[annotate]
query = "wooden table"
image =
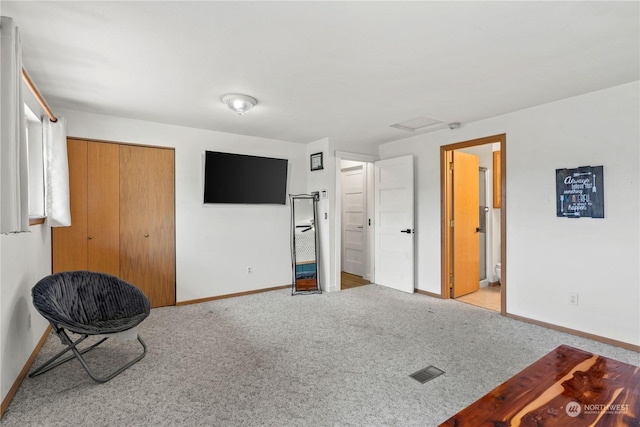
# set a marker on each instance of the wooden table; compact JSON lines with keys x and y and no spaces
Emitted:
{"x":567,"y":387}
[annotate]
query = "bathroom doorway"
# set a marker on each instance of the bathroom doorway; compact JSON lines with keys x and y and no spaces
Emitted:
{"x":473,"y":225}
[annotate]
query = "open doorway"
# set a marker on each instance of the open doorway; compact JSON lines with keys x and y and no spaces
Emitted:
{"x":355,"y":195}
{"x":336,"y":255}
{"x":473,"y":222}
{"x":389,"y":222}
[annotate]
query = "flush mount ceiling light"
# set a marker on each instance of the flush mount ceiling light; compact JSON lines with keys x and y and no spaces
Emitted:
{"x":240,"y":104}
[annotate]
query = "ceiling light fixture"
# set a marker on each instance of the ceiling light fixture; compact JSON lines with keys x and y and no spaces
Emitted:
{"x":240,"y":104}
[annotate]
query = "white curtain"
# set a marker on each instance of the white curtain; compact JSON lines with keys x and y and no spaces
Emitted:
{"x":14,"y":162}
{"x":56,"y":173}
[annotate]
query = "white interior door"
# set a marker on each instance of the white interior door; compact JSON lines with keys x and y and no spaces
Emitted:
{"x":394,"y":230}
{"x":353,"y":218}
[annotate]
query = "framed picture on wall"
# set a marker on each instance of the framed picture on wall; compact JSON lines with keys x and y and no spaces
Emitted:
{"x":580,"y":192}
{"x":316,"y":162}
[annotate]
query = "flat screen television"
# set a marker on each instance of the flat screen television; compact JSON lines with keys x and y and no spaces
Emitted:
{"x":242,"y":179}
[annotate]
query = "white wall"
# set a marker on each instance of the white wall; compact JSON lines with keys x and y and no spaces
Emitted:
{"x":25,"y":258}
{"x":547,"y":256}
{"x":317,"y":181}
{"x":214,"y":243}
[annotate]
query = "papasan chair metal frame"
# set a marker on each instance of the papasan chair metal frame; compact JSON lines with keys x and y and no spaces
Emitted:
{"x":88,"y":303}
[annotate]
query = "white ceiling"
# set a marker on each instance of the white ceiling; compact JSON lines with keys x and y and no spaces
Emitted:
{"x":345,"y":70}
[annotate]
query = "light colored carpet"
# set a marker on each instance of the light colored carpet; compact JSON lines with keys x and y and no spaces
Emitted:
{"x":272,"y":359}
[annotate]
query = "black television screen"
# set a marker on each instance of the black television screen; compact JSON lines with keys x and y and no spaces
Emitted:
{"x":242,"y":179}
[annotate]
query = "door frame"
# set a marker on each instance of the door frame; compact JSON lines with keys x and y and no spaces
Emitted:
{"x":446,"y":214}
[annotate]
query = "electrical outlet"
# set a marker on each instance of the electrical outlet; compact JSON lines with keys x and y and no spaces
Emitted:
{"x":248,"y":270}
{"x":573,"y":298}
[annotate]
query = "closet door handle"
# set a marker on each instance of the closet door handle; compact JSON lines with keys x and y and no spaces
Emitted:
{"x":146,"y":234}
{"x":90,"y":237}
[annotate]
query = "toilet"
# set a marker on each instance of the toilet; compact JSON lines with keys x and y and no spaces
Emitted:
{"x":498,"y":270}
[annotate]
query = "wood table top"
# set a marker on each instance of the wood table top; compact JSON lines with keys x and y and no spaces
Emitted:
{"x":568,"y":387}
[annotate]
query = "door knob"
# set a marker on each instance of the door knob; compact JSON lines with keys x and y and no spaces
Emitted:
{"x":146,"y":234}
{"x":90,"y":237}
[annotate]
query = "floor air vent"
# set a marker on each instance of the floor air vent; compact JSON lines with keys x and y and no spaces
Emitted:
{"x":426,"y":374}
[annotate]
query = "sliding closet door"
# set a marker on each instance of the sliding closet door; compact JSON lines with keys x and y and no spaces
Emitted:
{"x":91,"y":242}
{"x":103,"y":201}
{"x":147,"y":236}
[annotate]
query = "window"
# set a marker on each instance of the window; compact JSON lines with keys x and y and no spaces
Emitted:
{"x":36,"y":164}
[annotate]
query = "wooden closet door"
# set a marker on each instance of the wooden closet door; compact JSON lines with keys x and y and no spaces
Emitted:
{"x":147,"y":211}
{"x":103,"y":201}
{"x":91,"y":242}
{"x":70,"y":243}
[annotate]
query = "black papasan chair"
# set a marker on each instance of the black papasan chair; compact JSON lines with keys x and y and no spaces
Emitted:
{"x":88,"y":303}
